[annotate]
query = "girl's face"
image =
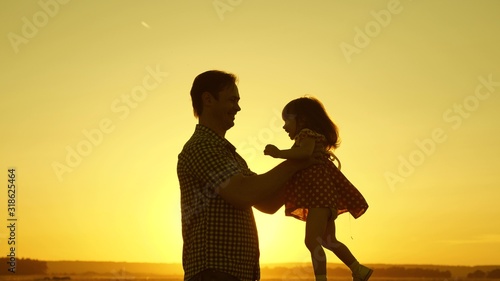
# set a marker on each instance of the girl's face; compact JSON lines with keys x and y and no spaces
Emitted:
{"x":290,"y":126}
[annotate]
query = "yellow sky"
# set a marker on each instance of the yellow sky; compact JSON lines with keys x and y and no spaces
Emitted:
{"x":95,"y":108}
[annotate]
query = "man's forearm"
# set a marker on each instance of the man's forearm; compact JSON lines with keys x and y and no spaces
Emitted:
{"x":244,"y":192}
{"x":272,"y":203}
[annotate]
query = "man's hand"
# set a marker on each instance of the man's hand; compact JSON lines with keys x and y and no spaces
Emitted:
{"x":272,"y":151}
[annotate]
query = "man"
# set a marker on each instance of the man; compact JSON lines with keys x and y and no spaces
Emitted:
{"x":218,"y":189}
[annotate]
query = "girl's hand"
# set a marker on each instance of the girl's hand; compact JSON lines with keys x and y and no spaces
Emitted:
{"x":272,"y":150}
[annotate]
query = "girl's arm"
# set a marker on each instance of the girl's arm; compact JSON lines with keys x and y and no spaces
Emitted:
{"x":303,"y":151}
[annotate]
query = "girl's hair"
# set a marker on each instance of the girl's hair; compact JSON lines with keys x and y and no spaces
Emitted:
{"x":310,"y":113}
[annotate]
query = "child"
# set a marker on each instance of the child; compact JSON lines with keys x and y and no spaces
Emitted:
{"x":319,"y":193}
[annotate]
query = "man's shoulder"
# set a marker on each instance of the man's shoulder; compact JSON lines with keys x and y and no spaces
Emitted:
{"x":200,"y":146}
{"x":199,"y":141}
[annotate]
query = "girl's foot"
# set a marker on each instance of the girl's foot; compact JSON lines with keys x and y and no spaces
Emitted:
{"x":362,"y":273}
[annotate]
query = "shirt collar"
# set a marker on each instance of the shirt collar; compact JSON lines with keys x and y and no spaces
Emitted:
{"x":206,"y":132}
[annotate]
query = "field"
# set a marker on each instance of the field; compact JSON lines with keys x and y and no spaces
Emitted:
{"x":121,"y":271}
{"x":179,"y":278}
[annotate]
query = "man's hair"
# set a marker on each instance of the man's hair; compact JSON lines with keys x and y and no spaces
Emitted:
{"x":212,"y":81}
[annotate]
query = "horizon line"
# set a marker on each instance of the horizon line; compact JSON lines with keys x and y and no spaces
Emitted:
{"x":270,"y":263}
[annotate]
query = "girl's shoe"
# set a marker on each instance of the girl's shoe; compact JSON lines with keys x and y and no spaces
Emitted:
{"x":363,"y":273}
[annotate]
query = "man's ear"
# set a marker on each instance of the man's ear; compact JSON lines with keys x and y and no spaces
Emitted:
{"x":207,"y":98}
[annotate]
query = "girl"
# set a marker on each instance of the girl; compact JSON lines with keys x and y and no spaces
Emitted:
{"x":318,"y":194}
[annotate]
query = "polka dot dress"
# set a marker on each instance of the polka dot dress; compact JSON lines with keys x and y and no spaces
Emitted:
{"x":321,"y":186}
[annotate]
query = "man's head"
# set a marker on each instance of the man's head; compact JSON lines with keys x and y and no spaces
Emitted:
{"x":215,"y":99}
{"x":212,"y":82}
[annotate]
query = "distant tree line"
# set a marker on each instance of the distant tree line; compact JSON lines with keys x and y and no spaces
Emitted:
{"x":22,"y":266}
{"x":478,"y":274}
{"x":397,"y":271}
{"x":391,"y":272}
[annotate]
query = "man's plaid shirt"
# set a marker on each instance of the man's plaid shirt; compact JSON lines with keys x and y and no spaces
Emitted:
{"x":216,"y":234}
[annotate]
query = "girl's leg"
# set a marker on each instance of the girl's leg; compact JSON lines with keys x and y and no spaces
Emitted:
{"x":316,"y":224}
{"x":331,"y":243}
{"x":359,"y":272}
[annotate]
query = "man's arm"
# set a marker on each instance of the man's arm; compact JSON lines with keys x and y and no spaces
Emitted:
{"x":273,"y":203}
{"x":247,"y":191}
